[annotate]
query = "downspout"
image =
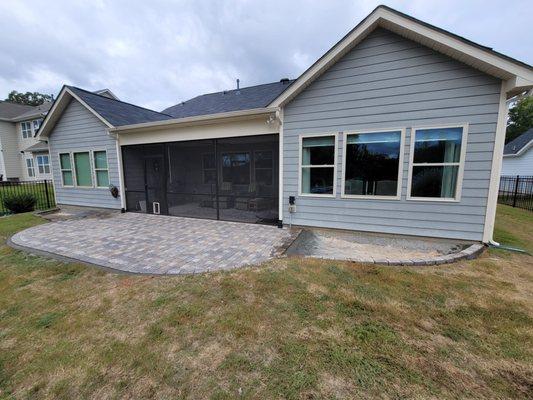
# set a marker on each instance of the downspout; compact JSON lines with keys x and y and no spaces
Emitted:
{"x":120,"y":171}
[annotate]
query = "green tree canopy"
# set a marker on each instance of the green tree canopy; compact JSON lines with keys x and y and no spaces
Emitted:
{"x":520,"y":118}
{"x":28,"y":98}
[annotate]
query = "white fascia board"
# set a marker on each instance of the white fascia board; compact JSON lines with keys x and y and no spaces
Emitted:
{"x":59,"y":105}
{"x":517,"y":76}
{"x":521,"y":151}
{"x":196,"y":120}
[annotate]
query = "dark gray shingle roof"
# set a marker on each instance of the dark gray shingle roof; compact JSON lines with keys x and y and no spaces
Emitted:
{"x":36,"y":111}
{"x":517,"y":144}
{"x":10,"y":110}
{"x":231,"y":100}
{"x":117,"y":112}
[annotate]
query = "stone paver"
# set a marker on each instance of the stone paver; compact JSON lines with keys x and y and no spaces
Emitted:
{"x":154,"y":244}
{"x":372,"y":248}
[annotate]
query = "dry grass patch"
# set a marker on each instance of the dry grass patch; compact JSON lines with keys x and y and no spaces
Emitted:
{"x":292,"y":328}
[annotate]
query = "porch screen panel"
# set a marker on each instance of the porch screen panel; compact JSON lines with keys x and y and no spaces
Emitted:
{"x":192,"y":179}
{"x":248,"y":178}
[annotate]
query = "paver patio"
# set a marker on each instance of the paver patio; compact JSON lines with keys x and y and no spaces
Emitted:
{"x":154,"y":244}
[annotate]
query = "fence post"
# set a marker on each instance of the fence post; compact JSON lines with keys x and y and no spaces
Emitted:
{"x":47,"y":195}
{"x":516,"y":190}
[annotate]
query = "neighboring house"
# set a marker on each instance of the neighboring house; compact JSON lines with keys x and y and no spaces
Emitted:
{"x":399,"y":128}
{"x":22,"y":156}
{"x":518,"y":156}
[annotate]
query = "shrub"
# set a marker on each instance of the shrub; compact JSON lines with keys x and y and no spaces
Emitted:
{"x":20,"y":203}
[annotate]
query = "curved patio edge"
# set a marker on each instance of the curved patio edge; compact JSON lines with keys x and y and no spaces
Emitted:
{"x":471,"y":252}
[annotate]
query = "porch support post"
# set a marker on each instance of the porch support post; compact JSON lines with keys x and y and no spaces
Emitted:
{"x":120,"y":174}
{"x":280,"y":167}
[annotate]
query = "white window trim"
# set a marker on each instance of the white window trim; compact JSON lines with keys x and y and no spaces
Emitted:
{"x":61,"y":169}
{"x":28,"y":132}
{"x":94,"y":169}
{"x":398,"y":195}
{"x":32,"y":167}
{"x":461,"y":164}
{"x":91,"y":169}
{"x":300,"y":142}
{"x":40,"y":156}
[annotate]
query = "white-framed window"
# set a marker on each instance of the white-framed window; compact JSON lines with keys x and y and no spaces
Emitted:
{"x":437,"y":163}
{"x":30,"y":167}
{"x":82,"y":168}
{"x":36,"y":124}
{"x":25,"y":127}
{"x":101,"y":171}
{"x":43,"y":164}
{"x":65,"y":163}
{"x":317,"y":169}
{"x":373,"y":164}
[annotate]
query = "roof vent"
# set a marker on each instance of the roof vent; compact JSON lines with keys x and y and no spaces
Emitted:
{"x":284,"y":80}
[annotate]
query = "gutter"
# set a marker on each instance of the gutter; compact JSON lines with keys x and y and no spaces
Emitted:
{"x":198,"y":119}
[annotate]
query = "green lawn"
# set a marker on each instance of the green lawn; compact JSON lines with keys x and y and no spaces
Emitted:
{"x":295,"y":329}
{"x":37,"y":189}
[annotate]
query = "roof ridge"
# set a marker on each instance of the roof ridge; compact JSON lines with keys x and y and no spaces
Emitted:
{"x":120,"y":101}
{"x":234,"y":90}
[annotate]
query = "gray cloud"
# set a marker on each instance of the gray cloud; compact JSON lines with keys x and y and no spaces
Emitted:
{"x":156,"y":53}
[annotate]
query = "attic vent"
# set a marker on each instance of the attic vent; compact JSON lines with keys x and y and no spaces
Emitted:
{"x":284,"y":80}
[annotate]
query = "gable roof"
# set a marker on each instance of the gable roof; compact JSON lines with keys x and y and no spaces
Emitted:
{"x":518,"y":75}
{"x":9,"y":110}
{"x":518,"y":145}
{"x":111,"y":112}
{"x":229,"y":100}
{"x":37,"y":111}
{"x":118,"y":112}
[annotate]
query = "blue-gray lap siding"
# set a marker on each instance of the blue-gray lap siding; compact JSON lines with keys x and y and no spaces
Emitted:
{"x":391,"y":82}
{"x":79,"y":130}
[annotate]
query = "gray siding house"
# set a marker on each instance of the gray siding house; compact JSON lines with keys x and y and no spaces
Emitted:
{"x":399,"y":128}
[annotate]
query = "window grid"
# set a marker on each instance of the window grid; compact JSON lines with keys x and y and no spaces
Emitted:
{"x":43,"y":164}
{"x":99,"y":171}
{"x":30,"y":167}
{"x":303,"y":166}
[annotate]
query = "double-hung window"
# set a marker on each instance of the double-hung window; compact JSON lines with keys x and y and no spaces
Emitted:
{"x":209,"y":170}
{"x":437,"y":163}
{"x":30,"y":167}
{"x":101,"y":171}
{"x":317,"y":165}
{"x":373,"y":164}
{"x":43,"y":164}
{"x":65,"y":164}
{"x":263,"y":167}
{"x":26,"y":129}
{"x":36,"y":125}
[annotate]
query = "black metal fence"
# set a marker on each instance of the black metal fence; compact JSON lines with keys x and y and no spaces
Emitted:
{"x":516,"y":191}
{"x":42,"y":190}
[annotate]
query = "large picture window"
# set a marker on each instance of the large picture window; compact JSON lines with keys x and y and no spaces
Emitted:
{"x":82,"y":167}
{"x":372,"y":164}
{"x":437,"y":162}
{"x":317,"y":165}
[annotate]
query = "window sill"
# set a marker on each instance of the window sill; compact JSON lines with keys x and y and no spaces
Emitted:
{"x":434,"y":199}
{"x":366,"y":197}
{"x":331,"y":196}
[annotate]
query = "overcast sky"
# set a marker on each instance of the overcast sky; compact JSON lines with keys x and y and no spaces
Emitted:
{"x":156,"y":53}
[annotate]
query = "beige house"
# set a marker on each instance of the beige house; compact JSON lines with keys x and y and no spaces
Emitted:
{"x":22,"y":156}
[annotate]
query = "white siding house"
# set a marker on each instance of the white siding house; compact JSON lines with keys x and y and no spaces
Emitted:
{"x":518,"y":156}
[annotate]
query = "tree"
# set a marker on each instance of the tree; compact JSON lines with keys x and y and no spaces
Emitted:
{"x":28,"y":98}
{"x":520,"y":118}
